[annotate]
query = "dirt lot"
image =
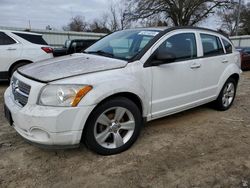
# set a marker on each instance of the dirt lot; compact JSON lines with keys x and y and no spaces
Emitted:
{"x":197,"y":148}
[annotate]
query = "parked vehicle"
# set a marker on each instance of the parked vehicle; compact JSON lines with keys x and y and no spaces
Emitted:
{"x":245,"y":57}
{"x":103,"y":96}
{"x":20,"y":48}
{"x":73,"y":46}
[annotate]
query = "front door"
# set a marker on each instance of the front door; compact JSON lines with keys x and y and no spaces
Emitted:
{"x":174,"y":82}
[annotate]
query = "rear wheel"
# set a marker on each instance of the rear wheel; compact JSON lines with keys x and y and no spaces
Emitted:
{"x":227,"y":95}
{"x":113,"y":126}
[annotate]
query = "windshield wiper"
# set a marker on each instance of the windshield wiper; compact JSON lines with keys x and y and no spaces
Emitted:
{"x":102,"y":53}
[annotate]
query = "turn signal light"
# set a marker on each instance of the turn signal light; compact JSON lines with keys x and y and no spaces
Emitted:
{"x":80,"y":94}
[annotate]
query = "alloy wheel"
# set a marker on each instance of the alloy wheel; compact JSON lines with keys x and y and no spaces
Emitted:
{"x":114,"y":127}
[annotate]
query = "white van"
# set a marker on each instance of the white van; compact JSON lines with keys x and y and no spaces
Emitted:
{"x":20,"y":48}
{"x":103,"y":96}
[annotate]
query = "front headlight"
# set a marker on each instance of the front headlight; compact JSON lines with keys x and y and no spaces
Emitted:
{"x":63,"y":95}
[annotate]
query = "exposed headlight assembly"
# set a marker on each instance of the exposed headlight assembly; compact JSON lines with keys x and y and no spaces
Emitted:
{"x":63,"y":95}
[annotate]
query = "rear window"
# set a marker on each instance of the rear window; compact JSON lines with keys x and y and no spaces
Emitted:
{"x":5,"y":39}
{"x":35,"y":39}
{"x":211,"y":45}
{"x":228,"y":46}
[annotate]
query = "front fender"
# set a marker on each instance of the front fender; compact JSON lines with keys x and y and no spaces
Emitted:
{"x":116,"y":86}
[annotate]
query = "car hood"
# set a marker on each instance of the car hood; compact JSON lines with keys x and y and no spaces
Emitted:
{"x":68,"y":66}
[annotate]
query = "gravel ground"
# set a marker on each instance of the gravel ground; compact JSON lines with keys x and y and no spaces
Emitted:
{"x":197,"y":148}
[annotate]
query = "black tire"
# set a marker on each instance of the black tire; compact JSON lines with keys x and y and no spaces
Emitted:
{"x":89,"y":132}
{"x":15,"y":67}
{"x":219,"y":105}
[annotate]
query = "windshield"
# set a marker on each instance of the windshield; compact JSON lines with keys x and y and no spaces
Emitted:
{"x":123,"y":44}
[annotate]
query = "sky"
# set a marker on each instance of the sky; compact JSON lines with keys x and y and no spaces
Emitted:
{"x":56,"y":13}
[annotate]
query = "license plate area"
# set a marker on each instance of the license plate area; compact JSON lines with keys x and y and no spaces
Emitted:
{"x":7,"y":115}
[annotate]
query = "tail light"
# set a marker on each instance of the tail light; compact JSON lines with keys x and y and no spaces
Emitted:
{"x":48,"y":50}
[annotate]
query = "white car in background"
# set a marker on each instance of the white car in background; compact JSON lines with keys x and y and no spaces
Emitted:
{"x":102,"y":96}
{"x":20,"y":48}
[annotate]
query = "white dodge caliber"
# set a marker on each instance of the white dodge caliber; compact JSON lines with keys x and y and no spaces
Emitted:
{"x":103,"y":96}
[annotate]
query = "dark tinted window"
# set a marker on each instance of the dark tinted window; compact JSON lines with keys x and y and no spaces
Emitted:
{"x":247,"y":50}
{"x":5,"y":39}
{"x":228,"y":46}
{"x":35,"y":39}
{"x":211,"y":45}
{"x":180,"y":46}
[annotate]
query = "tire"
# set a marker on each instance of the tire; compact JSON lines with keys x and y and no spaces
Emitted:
{"x":15,"y":67}
{"x":227,"y":95}
{"x":113,"y":126}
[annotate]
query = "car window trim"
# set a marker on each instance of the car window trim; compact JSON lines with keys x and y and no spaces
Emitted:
{"x":168,"y":30}
{"x":222,"y":39}
{"x":217,"y":37}
{"x":148,"y":62}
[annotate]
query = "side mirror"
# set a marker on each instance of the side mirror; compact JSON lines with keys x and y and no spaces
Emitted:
{"x":162,"y":57}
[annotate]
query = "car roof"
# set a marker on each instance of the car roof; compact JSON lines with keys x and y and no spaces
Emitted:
{"x":21,"y":32}
{"x":165,"y":30}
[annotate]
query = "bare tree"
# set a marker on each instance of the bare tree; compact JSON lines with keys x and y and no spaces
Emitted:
{"x":124,"y":22}
{"x":113,"y":22}
{"x":229,"y":20}
{"x":180,"y":12}
{"x":99,"y":25}
{"x":77,"y":23}
{"x":117,"y":16}
{"x":245,"y":22}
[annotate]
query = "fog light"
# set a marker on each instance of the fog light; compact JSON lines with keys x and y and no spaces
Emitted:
{"x":39,"y":134}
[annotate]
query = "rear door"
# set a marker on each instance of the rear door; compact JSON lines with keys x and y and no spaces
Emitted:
{"x":213,"y":63}
{"x":10,"y":51}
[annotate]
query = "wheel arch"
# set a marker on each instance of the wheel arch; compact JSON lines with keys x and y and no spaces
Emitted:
{"x":18,"y":62}
{"x":232,"y":71}
{"x":236,"y":77}
{"x":131,"y":96}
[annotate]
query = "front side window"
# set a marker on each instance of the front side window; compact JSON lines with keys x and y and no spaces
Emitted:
{"x":179,"y":47}
{"x":228,"y":46}
{"x":123,"y":44}
{"x":5,"y":39}
{"x":211,"y":45}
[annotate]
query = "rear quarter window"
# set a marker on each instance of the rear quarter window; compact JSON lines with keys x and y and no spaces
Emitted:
{"x":228,"y":46}
{"x":35,"y":39}
{"x":5,"y":39}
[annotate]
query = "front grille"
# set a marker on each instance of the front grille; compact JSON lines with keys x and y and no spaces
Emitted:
{"x":20,"y":91}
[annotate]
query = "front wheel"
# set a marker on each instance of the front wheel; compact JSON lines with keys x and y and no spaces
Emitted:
{"x":227,"y":95}
{"x":113,"y":126}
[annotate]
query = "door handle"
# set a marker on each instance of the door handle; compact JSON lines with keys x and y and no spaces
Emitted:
{"x":195,"y":66}
{"x":11,"y":49}
{"x":225,"y":61}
